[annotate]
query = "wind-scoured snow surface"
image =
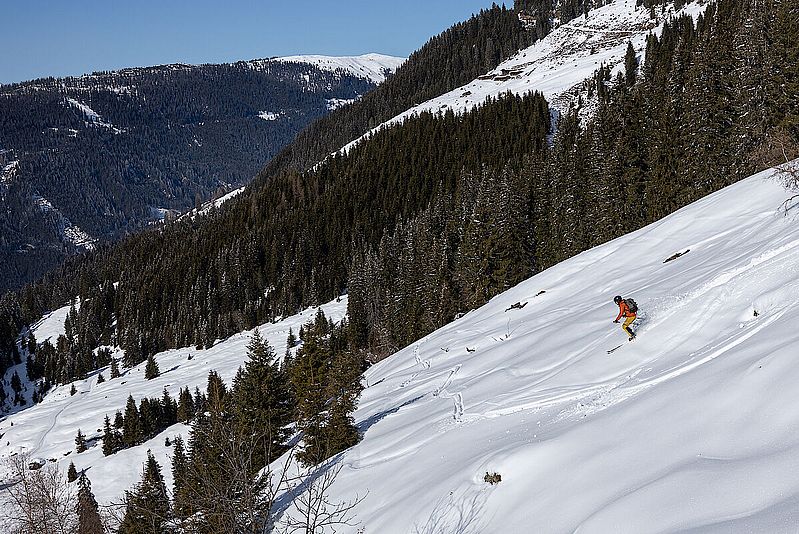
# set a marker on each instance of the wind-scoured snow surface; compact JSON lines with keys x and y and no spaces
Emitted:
{"x":558,"y":64}
{"x":373,"y":67}
{"x":47,"y":430}
{"x":690,"y":428}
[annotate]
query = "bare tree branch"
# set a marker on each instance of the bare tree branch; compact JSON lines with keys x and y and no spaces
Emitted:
{"x":41,"y":500}
{"x":314,"y":511}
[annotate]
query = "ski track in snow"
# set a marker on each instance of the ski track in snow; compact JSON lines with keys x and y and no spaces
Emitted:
{"x":457,"y":398}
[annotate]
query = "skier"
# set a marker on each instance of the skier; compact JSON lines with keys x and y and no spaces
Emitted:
{"x":627,"y":311}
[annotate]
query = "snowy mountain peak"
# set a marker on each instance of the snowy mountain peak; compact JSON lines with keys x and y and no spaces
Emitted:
{"x":373,"y":66}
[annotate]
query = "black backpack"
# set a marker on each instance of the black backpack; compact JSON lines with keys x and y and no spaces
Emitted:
{"x":631,"y":305}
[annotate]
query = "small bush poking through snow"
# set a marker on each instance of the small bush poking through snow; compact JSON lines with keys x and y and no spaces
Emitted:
{"x":492,"y":478}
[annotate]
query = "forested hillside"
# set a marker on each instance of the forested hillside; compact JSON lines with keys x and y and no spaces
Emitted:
{"x":449,"y":60}
{"x":434,"y":217}
{"x":90,"y":159}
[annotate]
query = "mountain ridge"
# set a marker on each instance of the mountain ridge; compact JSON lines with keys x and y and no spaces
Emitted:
{"x":111,"y":152}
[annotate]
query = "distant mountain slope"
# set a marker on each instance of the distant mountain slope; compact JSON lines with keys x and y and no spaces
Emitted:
{"x":448,"y":60}
{"x":92,"y":158}
{"x":561,"y":64}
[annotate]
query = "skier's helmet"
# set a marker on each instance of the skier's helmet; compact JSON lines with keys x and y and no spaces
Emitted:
{"x":617,"y":299}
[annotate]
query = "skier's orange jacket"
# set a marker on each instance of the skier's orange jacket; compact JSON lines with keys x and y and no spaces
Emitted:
{"x":624,"y":310}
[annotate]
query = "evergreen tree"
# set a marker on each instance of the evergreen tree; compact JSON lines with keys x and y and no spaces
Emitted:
{"x":630,"y":65}
{"x":110,"y":438}
{"x":131,"y":433}
{"x":307,"y":376}
{"x":180,"y":466}
{"x":326,"y":379}
{"x":148,"y":418}
{"x":344,"y":389}
{"x":89,"y":521}
{"x":72,"y":473}
{"x":72,"y":390}
{"x":100,"y":378}
{"x":200,"y":401}
{"x":31,"y":343}
{"x":80,"y":442}
{"x":147,"y":506}
{"x":216,"y":392}
{"x":185,"y":410}
{"x":114,"y":368}
{"x":168,"y":414}
{"x":151,"y":369}
{"x":16,"y":387}
{"x":261,"y":403}
{"x":119,"y":420}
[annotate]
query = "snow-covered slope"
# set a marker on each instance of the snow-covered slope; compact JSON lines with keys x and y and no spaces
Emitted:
{"x":47,"y":430}
{"x":558,"y":65}
{"x":370,"y":66}
{"x":690,"y":428}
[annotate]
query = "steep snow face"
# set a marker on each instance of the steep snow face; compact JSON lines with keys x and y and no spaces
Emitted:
{"x":7,"y":173}
{"x":689,"y":428}
{"x":559,"y":64}
{"x":48,"y":429}
{"x":692,"y":427}
{"x":92,"y":117}
{"x":70,"y":232}
{"x":211,"y":204}
{"x":373,"y":67}
{"x":52,"y":325}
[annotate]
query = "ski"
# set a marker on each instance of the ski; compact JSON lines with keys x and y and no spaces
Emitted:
{"x":615,"y":348}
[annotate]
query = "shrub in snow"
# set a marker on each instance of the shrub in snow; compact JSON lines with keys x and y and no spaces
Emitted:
{"x":492,"y":478}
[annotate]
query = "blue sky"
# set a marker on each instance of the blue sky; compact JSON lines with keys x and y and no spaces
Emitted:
{"x":61,"y":37}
